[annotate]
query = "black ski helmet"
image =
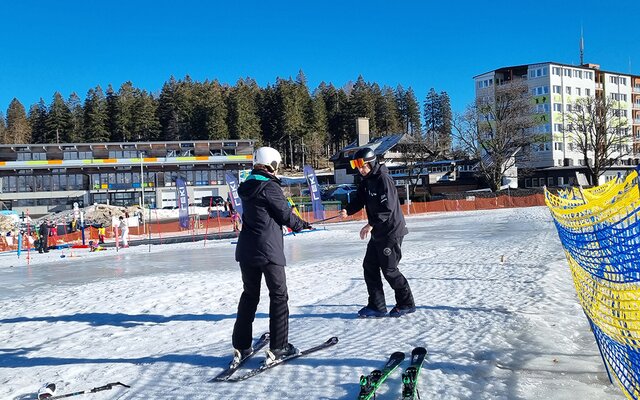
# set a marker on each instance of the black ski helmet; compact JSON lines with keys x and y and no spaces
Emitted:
{"x":365,"y":154}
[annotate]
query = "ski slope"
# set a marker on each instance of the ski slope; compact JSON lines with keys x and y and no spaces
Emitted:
{"x":496,"y":310}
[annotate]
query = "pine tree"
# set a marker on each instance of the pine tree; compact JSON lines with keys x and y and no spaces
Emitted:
{"x":317,"y":132}
{"x":414,"y":126}
{"x":362,"y":104}
{"x":267,"y":103}
{"x":437,"y":117}
{"x":122,"y":116}
{"x":3,"y":128}
{"x":244,"y":120}
{"x":112,"y":125}
{"x":95,"y":116}
{"x":210,"y":112}
{"x":59,"y":121}
{"x":38,"y":121}
{"x":387,"y":113}
{"x":445,"y":131}
{"x":431,"y":116}
{"x":292,"y":102}
{"x":18,"y":129}
{"x":145,"y":125}
{"x":76,"y":134}
{"x":168,"y":111}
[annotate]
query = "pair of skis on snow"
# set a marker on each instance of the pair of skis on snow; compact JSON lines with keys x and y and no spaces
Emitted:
{"x":370,"y":383}
{"x":226,"y":375}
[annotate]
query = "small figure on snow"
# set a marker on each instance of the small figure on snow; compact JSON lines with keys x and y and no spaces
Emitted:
{"x":124,"y":231}
{"x":235,"y":220}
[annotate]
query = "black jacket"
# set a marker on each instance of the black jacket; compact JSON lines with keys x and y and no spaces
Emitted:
{"x":43,"y":230}
{"x":265,"y":211}
{"x":377,"y":192}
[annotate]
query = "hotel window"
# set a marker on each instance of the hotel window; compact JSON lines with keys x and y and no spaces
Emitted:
{"x":538,"y":72}
{"x":578,"y":74}
{"x":587,"y":92}
{"x":557,"y":107}
{"x":623,"y":81}
{"x":567,"y":72}
{"x":578,"y":91}
{"x":557,"y":146}
{"x":557,"y":127}
{"x":540,"y":90}
{"x":557,"y":71}
{"x":568,"y":90}
{"x":557,"y":89}
{"x":568,"y":108}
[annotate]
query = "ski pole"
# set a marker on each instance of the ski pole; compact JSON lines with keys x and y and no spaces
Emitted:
{"x":108,"y":386}
{"x":327,"y":219}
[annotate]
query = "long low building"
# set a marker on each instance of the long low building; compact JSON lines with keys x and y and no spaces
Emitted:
{"x":40,"y":178}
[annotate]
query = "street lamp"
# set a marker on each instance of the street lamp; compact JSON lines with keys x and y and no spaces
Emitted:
{"x":141,"y":179}
{"x":144,"y":228}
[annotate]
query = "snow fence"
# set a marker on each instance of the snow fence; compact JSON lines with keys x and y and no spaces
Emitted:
{"x":600,"y":231}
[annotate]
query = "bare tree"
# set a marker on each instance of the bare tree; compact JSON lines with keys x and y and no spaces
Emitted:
{"x":494,"y":131}
{"x":600,"y":133}
{"x":416,"y":152}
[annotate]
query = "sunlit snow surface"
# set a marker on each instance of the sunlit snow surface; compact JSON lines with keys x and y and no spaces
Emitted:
{"x":496,"y":310}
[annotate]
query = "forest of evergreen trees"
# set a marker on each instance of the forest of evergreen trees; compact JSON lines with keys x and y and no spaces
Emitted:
{"x":286,"y":115}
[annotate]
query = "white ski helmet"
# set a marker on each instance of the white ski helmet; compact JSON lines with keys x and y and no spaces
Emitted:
{"x":267,"y":156}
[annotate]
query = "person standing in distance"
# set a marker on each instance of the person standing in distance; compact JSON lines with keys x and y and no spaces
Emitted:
{"x":377,"y":193}
{"x":260,"y":251}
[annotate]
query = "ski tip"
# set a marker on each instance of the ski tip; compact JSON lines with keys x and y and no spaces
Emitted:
{"x":333,"y":340}
{"x":398,"y":354}
{"x":419,"y":351}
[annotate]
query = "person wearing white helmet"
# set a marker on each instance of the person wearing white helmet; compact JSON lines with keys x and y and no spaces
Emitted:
{"x":260,"y":251}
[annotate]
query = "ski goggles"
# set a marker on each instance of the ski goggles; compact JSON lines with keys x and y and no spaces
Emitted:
{"x":357,"y":163}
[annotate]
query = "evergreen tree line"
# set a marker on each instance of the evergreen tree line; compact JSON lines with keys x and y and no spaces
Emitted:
{"x":305,"y":126}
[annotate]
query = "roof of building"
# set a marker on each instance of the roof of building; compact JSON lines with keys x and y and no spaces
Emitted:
{"x":584,"y":66}
{"x":379,"y":145}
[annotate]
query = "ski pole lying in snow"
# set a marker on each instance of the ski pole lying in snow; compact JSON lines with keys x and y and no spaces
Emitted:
{"x":48,"y":391}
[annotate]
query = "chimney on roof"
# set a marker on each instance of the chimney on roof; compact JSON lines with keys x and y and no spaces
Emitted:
{"x":362,"y":130}
{"x":590,"y":65}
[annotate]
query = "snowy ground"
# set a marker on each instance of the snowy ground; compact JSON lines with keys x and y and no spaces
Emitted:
{"x":496,"y":311}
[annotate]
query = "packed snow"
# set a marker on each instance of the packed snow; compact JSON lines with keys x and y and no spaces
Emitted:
{"x":496,"y":310}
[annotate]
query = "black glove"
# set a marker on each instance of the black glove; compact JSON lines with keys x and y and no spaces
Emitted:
{"x":306,"y":225}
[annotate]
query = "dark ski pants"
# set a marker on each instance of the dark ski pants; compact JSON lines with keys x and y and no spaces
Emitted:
{"x":384,"y":256}
{"x":276,"y":280}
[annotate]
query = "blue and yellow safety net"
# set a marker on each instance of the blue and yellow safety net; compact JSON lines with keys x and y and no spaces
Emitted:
{"x":600,"y":231}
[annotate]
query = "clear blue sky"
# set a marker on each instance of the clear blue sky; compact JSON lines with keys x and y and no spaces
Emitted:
{"x":69,"y":46}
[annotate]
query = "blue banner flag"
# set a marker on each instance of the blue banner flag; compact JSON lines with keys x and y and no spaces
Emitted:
{"x":233,"y":192}
{"x":182,"y":202}
{"x":314,"y":192}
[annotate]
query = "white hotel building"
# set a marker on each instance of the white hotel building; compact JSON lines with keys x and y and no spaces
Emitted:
{"x":554,"y":88}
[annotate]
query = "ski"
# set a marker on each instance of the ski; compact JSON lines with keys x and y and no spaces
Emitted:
{"x":370,"y":383}
{"x":303,"y":353}
{"x":226,"y":374}
{"x":410,"y":375}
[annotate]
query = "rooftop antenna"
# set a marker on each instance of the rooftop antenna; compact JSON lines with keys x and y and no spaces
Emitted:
{"x":581,"y":46}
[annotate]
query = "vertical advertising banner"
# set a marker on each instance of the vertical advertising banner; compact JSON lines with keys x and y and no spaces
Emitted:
{"x":314,"y":192}
{"x":182,"y":202}
{"x":233,"y":192}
